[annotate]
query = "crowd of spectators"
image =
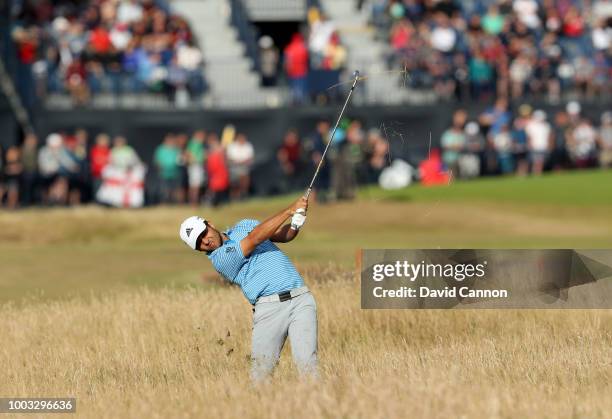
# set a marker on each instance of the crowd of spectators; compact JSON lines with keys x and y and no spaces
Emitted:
{"x":211,"y":168}
{"x":499,"y":142}
{"x":62,"y":171}
{"x":204,"y":168}
{"x":357,"y":156}
{"x":87,"y":47}
{"x":311,"y":62}
{"x":324,"y":44}
{"x":67,"y":170}
{"x":482,"y":49}
{"x":479,"y":49}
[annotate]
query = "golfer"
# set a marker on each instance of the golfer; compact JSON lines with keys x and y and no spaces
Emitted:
{"x":246,"y":255}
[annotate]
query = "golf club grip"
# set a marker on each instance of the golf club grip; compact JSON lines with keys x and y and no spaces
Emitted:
{"x":307,"y":194}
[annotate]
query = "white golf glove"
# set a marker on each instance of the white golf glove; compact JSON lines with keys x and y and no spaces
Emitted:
{"x":298,"y":219}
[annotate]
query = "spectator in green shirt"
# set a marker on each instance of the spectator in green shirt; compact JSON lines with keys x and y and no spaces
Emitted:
{"x":195,"y":165}
{"x":493,"y":22}
{"x":123,"y":156}
{"x":453,"y":142}
{"x":166,"y":159}
{"x":481,"y":75}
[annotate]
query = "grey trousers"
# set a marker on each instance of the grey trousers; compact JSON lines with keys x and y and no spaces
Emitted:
{"x":272,"y":323}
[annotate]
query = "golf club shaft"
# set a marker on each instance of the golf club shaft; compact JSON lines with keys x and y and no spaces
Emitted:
{"x":348,"y":98}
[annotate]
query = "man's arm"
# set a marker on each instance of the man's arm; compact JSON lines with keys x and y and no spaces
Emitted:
{"x":269,"y":227}
{"x":284,"y":234}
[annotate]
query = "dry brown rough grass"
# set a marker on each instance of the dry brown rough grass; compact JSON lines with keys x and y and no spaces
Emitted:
{"x":165,"y":353}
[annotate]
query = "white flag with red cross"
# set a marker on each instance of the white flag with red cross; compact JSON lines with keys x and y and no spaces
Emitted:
{"x":122,"y":188}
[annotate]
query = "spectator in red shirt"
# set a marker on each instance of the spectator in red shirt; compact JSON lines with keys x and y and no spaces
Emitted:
{"x":288,"y":156}
{"x":100,"y":41}
{"x":573,"y":24}
{"x":401,"y":34}
{"x":99,"y":158}
{"x":26,"y":42}
{"x":432,"y":172}
{"x":296,"y":66}
{"x":218,"y":174}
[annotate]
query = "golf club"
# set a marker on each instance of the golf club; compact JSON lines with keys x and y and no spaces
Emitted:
{"x":331,"y":140}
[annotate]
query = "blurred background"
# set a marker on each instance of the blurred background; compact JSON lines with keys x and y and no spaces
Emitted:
{"x":138,"y":102}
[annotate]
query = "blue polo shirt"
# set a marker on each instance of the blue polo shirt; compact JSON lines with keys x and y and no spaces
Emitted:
{"x":266,"y":271}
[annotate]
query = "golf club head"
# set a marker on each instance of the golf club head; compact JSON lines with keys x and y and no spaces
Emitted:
{"x":356,"y":79}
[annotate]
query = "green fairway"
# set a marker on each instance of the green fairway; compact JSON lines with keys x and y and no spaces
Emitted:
{"x":60,"y":253}
{"x":586,"y":188}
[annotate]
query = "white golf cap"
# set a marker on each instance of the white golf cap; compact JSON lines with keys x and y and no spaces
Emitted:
{"x":191,"y":228}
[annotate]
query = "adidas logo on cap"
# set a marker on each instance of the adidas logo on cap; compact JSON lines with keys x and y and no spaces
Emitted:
{"x":188,"y":231}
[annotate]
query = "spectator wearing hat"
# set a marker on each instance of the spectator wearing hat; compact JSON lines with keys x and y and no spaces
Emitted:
{"x":268,"y":61}
{"x":573,"y":110}
{"x":582,"y":144}
{"x":470,"y":161}
{"x":55,"y":164}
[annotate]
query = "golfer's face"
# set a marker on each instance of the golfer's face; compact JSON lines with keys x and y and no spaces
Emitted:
{"x":209,"y":240}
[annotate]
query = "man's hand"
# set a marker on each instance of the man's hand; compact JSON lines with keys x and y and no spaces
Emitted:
{"x":271,"y":228}
{"x":301,"y":203}
{"x":298,"y":219}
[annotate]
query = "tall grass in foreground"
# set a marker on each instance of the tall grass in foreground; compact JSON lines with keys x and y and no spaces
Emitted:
{"x":184,"y":353}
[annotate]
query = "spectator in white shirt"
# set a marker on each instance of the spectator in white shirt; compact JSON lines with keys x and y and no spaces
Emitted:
{"x":539,"y":141}
{"x":129,"y":11}
{"x":527,"y":12}
{"x":240,"y":156}
{"x":582,"y":143}
{"x":443,"y":37}
{"x":602,"y":36}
